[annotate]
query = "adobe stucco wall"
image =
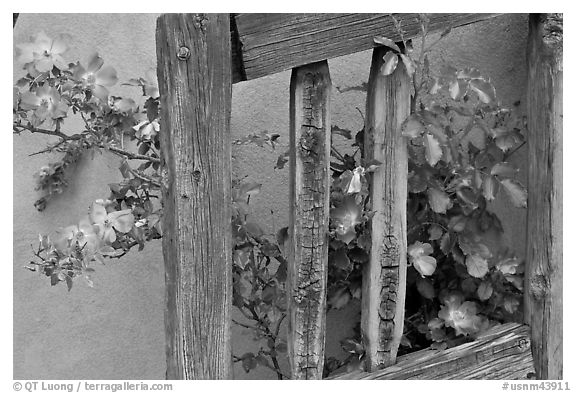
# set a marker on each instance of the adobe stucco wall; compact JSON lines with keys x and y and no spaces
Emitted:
{"x":115,"y":330}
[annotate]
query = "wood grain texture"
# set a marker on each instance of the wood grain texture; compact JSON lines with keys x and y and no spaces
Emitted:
{"x":503,"y":352}
{"x":310,"y":89}
{"x":196,"y":102}
{"x":543,"y":294}
{"x":384,"y":277}
{"x":277,"y":42}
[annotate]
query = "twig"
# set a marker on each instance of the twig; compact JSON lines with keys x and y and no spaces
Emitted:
{"x":242,"y":324}
{"x":130,"y":155}
{"x":511,"y":152}
{"x":35,"y":130}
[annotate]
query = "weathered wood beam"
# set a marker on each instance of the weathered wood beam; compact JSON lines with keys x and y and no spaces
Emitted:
{"x":384,"y":276}
{"x":272,"y":43}
{"x":193,"y":52}
{"x":310,"y":88}
{"x":503,"y":352}
{"x":543,"y":294}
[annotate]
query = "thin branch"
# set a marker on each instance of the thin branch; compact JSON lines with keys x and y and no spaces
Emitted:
{"x":130,"y":155}
{"x":35,"y":130}
{"x":244,"y":325}
{"x":144,"y":178}
{"x":511,"y":152}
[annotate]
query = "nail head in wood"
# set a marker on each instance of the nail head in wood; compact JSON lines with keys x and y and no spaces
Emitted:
{"x":183,"y":53}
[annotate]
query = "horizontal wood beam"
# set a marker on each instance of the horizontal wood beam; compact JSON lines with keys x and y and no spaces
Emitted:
{"x":503,"y":352}
{"x":265,"y":44}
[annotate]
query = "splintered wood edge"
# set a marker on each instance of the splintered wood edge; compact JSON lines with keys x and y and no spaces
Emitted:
{"x":503,"y":352}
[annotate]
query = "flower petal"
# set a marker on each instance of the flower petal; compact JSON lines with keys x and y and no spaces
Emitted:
{"x":94,"y":62}
{"x":97,"y":213}
{"x":26,"y":52}
{"x":109,"y":235}
{"x":44,"y":65}
{"x":101,"y":92}
{"x":122,"y":221}
{"x":29,"y":101}
{"x":106,"y":76}
{"x":58,"y":47}
{"x":59,"y":62}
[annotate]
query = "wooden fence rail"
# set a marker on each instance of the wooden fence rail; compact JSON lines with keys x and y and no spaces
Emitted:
{"x":502,"y":352}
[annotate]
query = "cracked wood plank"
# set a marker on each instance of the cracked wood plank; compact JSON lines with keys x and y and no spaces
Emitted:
{"x":273,"y":43}
{"x":502,"y":352}
{"x":196,"y":89}
{"x":543,"y":293}
{"x":384,"y":277}
{"x":310,"y":87}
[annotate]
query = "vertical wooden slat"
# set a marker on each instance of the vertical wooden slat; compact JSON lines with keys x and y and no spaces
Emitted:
{"x":384,"y":277}
{"x":195,"y":87}
{"x":543,"y":294}
{"x":309,"y":217}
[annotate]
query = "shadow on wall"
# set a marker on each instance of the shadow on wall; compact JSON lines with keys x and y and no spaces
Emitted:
{"x":115,"y":330}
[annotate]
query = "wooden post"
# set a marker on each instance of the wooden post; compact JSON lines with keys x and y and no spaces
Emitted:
{"x":309,"y":218}
{"x":543,"y":293}
{"x":384,"y":277}
{"x":195,"y":88}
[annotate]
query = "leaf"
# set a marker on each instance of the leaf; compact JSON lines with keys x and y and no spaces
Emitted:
{"x":355,"y":185}
{"x":425,"y":264}
{"x":485,"y":290}
{"x":282,"y":160}
{"x":516,"y":192}
{"x":476,"y":265}
{"x":446,"y":243}
{"x":390,"y":63}
{"x":433,"y":150}
{"x":454,"y":89}
{"x":439,"y":201}
{"x":409,"y":64}
{"x":340,"y":259}
{"x":458,"y":223}
{"x":425,"y":288}
{"x":435,"y":232}
{"x":508,"y":265}
{"x":342,"y":131}
{"x":387,"y":42}
{"x":489,"y":188}
{"x":405,"y":342}
{"x":253,"y":229}
{"x":412,"y":127}
{"x":249,"y":362}
{"x":503,"y":169}
{"x":485,"y":90}
{"x":372,"y":165}
{"x":511,"y":304}
{"x":250,"y":188}
{"x":282,"y":236}
{"x":125,"y":169}
{"x":468,"y":285}
{"x":339,"y":298}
